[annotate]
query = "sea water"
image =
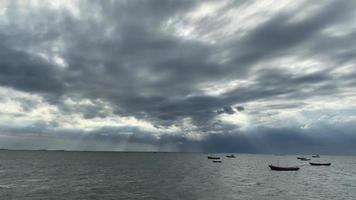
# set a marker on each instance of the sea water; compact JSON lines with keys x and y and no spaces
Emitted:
{"x":115,"y":175}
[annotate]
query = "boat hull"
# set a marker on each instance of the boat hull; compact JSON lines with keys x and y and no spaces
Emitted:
{"x":320,"y":164}
{"x":303,"y":159}
{"x":277,"y":168}
{"x":213,"y":158}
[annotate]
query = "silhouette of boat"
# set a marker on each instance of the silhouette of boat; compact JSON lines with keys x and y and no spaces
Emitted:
{"x":216,"y":161}
{"x":315,"y":156}
{"x":230,"y":156}
{"x":214,"y":157}
{"x":303,"y":159}
{"x":279,"y":168}
{"x":319,"y":164}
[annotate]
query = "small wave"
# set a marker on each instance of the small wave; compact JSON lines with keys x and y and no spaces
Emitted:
{"x":259,"y":183}
{"x":35,"y":180}
{"x":7,"y":186}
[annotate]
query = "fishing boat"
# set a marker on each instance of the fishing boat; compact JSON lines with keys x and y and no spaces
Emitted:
{"x":316,"y":156}
{"x":279,"y":168}
{"x":303,"y":159}
{"x":216,"y":161}
{"x":214,"y":157}
{"x":230,"y":156}
{"x":319,"y":164}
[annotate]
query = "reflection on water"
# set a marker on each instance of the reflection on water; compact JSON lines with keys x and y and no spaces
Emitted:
{"x":95,"y":175}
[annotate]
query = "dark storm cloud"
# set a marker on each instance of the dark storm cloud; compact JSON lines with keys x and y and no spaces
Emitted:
{"x":123,"y":56}
{"x":280,"y":84}
{"x":228,"y":110}
{"x":21,"y":71}
{"x":149,"y":74}
{"x":279,"y":35}
{"x":240,"y":108}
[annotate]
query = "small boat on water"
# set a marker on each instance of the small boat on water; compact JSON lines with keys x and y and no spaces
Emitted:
{"x":316,"y":156}
{"x":214,"y":157}
{"x":319,"y":164}
{"x":230,"y":156}
{"x":216,"y":161}
{"x":279,"y":168}
{"x":303,"y":159}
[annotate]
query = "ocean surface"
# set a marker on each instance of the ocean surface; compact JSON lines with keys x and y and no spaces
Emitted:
{"x":111,"y":175}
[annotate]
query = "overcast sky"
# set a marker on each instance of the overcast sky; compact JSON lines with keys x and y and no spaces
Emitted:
{"x":166,"y":75}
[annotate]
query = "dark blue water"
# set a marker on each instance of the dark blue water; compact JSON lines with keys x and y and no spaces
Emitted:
{"x":106,"y":175}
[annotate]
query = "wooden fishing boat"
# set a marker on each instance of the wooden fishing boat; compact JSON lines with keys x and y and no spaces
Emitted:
{"x":319,"y":164}
{"x":214,"y":157}
{"x":303,"y":159}
{"x":279,"y":168}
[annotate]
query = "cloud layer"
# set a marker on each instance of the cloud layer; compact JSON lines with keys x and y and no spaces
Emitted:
{"x":178,"y":75}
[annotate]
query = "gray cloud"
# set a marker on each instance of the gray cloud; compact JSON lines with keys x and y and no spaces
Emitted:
{"x":20,"y":71}
{"x":290,"y":140}
{"x":127,"y":64}
{"x":240,"y":108}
